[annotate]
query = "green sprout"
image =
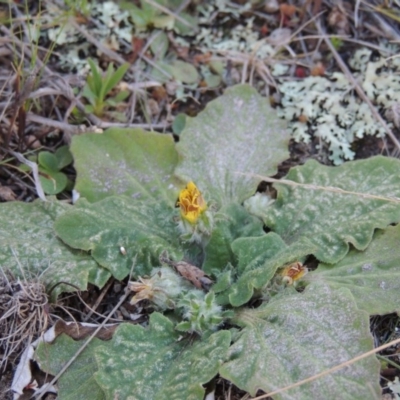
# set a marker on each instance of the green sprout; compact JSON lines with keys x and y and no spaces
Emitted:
{"x":98,"y":87}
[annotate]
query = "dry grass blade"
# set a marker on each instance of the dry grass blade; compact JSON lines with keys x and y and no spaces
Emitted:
{"x":35,"y":172}
{"x":24,"y":316}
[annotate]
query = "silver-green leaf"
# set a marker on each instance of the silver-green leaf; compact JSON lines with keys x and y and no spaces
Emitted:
{"x":372,"y":275}
{"x":334,"y":210}
{"x":123,"y":234}
{"x":259,"y":258}
{"x":299,"y":335}
{"x":237,"y":136}
{"x":152,"y":363}
{"x":77,"y":382}
{"x":30,"y":247}
{"x":133,"y":162}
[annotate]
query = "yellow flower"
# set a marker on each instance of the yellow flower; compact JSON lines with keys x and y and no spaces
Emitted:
{"x":191,"y":203}
{"x":293,"y":272}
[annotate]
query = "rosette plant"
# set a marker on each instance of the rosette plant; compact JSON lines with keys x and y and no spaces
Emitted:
{"x":222,"y":265}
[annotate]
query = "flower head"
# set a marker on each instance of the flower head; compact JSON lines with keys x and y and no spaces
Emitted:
{"x":191,"y":203}
{"x":293,"y":272}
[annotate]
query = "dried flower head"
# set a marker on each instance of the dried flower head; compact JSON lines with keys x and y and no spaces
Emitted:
{"x":162,"y":289}
{"x":191,"y":203}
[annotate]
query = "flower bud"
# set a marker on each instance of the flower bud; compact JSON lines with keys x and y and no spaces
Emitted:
{"x":196,"y":221}
{"x":293,"y":273}
{"x":201,"y":312}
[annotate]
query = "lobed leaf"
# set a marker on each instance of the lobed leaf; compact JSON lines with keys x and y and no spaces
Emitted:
{"x":125,"y":161}
{"x":77,"y":382}
{"x":259,"y":259}
{"x":298,"y":335}
{"x":152,"y":363}
{"x":239,"y":134}
{"x":372,"y":275}
{"x":333,"y":219}
{"x":232,"y":222}
{"x":143,"y":229}
{"x":30,"y":247}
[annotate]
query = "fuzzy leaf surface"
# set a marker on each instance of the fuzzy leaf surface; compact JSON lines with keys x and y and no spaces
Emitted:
{"x":232,"y":221}
{"x":333,"y":220}
{"x":372,"y":275}
{"x":29,"y":247}
{"x":258,"y":260}
{"x":144,"y":229}
{"x":238,"y":133}
{"x":133,"y":162}
{"x":298,"y":335}
{"x":152,"y":363}
{"x":77,"y":382}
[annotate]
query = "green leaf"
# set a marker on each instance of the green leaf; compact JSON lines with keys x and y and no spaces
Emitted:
{"x":372,"y":276}
{"x":233,"y":221}
{"x":179,"y":123}
{"x":184,"y":72}
{"x":77,"y":382}
{"x":29,"y":247}
{"x":139,"y":17}
{"x":159,"y":45}
{"x":213,"y":80}
{"x":163,"y":21}
{"x":299,"y":335}
{"x":333,"y":219}
{"x":113,"y":78}
{"x":152,"y":363}
{"x":144,"y":229}
{"x":259,"y":259}
{"x":52,"y":182}
{"x":89,"y":109}
{"x":185,"y":29}
{"x":95,"y":82}
{"x":239,"y":136}
{"x":48,"y":160}
{"x":64,"y":157}
{"x":90,"y":96}
{"x":118,"y":98}
{"x":163,"y":73}
{"x":125,"y":161}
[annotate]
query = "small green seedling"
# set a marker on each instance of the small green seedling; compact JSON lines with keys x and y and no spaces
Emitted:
{"x":98,"y":87}
{"x":149,"y":15}
{"x":53,"y":181}
{"x":50,"y":165}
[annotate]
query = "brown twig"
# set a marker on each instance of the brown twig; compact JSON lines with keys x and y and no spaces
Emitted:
{"x":99,"y":300}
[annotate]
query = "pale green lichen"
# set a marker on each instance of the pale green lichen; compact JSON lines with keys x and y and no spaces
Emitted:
{"x":329,"y":109}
